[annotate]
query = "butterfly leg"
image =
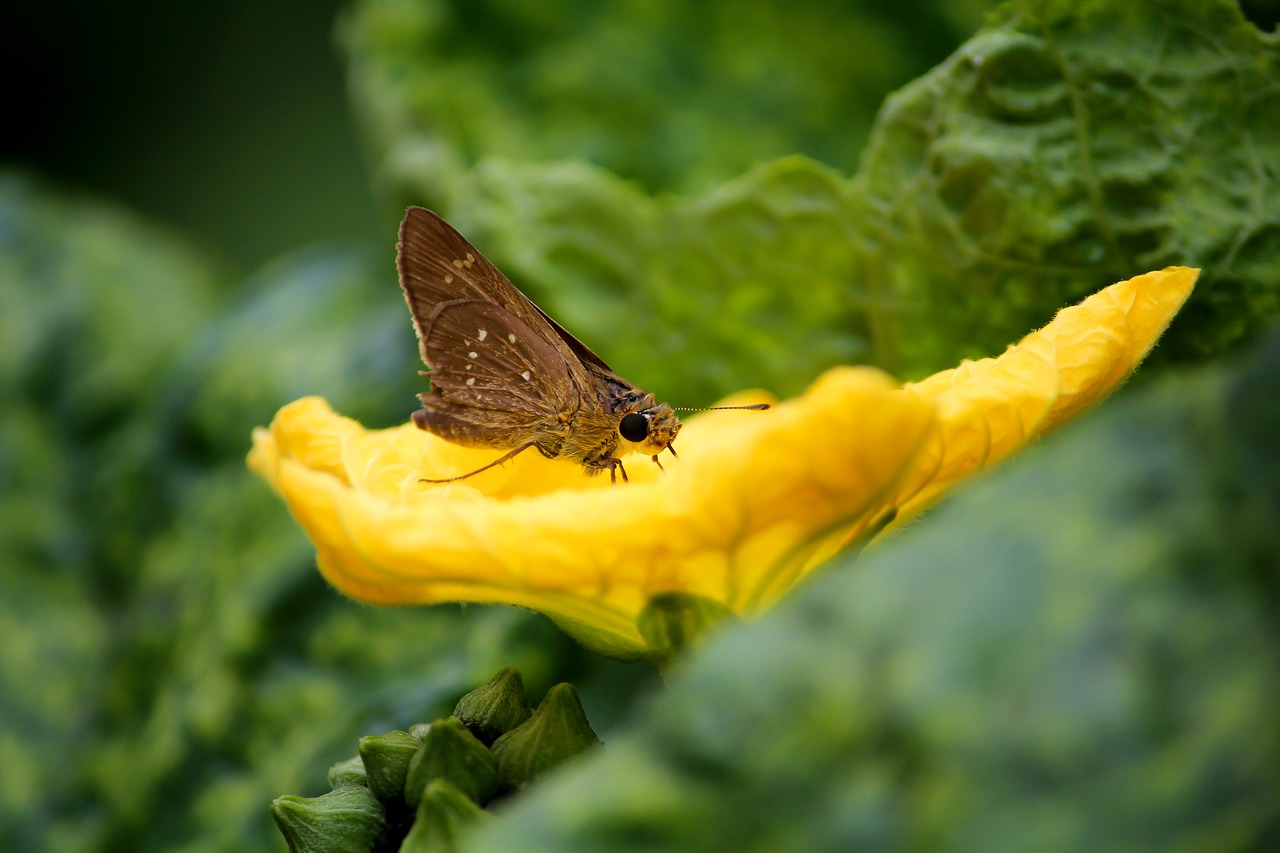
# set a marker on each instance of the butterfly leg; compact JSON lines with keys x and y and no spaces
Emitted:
{"x":613,"y":464}
{"x":522,"y":448}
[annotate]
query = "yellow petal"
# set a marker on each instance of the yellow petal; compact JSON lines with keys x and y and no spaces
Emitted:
{"x":734,"y":519}
{"x":991,"y":408}
{"x":755,"y":501}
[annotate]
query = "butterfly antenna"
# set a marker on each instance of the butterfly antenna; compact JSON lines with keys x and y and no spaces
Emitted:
{"x":498,"y":461}
{"x":758,"y":407}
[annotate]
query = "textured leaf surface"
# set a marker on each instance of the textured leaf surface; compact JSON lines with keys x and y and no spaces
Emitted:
{"x":671,"y":94}
{"x":1064,"y":147}
{"x":80,"y":442}
{"x":1067,"y":141}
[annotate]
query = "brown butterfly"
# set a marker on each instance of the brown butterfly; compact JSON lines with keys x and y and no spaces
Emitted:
{"x":504,"y":374}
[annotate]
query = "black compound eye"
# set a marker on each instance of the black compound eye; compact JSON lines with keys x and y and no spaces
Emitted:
{"x":634,"y":427}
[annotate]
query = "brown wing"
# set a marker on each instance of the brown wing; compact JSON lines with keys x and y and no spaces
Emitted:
{"x":438,"y":265}
{"x":495,"y":379}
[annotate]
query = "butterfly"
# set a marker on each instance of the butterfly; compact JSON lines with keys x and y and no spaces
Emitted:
{"x":504,"y":375}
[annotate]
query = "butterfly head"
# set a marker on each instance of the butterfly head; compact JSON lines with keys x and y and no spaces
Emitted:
{"x":649,"y":429}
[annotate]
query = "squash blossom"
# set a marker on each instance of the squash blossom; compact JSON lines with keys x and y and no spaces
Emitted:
{"x":755,"y":502}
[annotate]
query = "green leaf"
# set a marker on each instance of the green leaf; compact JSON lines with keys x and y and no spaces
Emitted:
{"x":1079,"y":652}
{"x":94,"y":305}
{"x":695,"y":297}
{"x":324,"y":321}
{"x":1061,"y":149}
{"x":1070,"y":145}
{"x":672,"y":94}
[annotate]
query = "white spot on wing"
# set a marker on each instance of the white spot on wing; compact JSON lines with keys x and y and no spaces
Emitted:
{"x":457,"y":264}
{"x":473,"y":354}
{"x":482,"y":334}
{"x":511,"y":338}
{"x":472,"y":380}
{"x":526,"y":375}
{"x":448,"y":279}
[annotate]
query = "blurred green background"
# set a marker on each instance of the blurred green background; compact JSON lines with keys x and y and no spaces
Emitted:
{"x":227,"y":121}
{"x":197,"y":213}
{"x":231,"y":121}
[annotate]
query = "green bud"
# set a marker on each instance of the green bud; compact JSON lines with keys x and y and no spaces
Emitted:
{"x":556,"y":731}
{"x":495,"y":708}
{"x":348,"y":819}
{"x":672,"y":621}
{"x":443,"y":813}
{"x":349,"y":772}
{"x":386,"y":758}
{"x":451,"y":752}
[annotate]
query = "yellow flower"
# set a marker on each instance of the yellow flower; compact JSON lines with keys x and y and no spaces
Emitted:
{"x":754,"y":503}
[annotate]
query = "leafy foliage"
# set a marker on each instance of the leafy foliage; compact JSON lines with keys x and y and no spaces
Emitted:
{"x":1060,"y":149}
{"x":170,"y":660}
{"x":673,"y":95}
{"x":1063,"y":145}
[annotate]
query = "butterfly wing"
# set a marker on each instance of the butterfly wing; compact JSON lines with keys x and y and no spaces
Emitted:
{"x":494,"y":380}
{"x":437,"y":265}
{"x":500,"y":372}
